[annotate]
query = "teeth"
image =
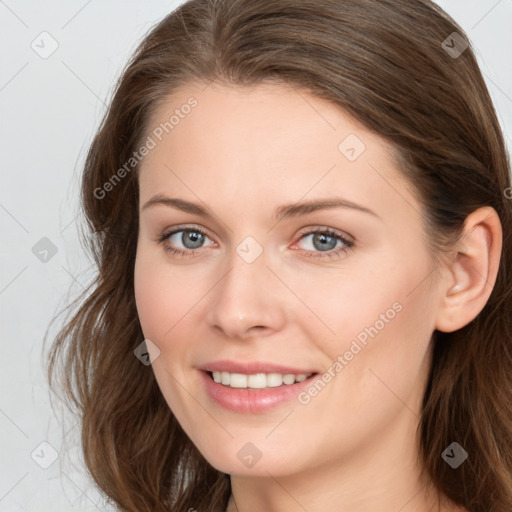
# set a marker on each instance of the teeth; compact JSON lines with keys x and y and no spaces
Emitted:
{"x":274,"y":380}
{"x":288,"y":378}
{"x":238,"y":380}
{"x":258,"y":380}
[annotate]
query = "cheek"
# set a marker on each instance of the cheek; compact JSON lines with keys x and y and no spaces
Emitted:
{"x":383,"y":321}
{"x":146,"y":299}
{"x":158,"y":305}
{"x":153,"y":295}
{"x":348,"y":301}
{"x":385,"y":355}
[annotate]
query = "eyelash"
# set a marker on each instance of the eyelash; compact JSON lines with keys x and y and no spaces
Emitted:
{"x":348,"y":245}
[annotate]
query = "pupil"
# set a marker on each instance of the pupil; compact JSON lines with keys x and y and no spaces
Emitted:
{"x":192,"y":239}
{"x":323,"y":241}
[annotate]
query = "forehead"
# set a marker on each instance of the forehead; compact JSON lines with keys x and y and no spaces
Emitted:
{"x":271,"y":138}
{"x":260,"y":121}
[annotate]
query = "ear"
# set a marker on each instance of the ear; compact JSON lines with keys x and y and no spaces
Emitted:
{"x":470,"y":275}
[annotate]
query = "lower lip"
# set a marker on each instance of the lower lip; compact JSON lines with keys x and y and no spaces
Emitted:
{"x":252,"y":400}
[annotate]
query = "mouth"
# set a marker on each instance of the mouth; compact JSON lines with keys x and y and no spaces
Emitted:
{"x":254,"y":393}
{"x":255,"y":381}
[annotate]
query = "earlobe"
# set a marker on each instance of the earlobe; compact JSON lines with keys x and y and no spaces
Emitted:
{"x":471,"y":274}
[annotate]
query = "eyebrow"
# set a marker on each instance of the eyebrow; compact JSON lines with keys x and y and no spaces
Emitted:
{"x":282,"y":212}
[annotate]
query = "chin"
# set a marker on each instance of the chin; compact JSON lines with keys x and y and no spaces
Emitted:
{"x":246,"y":459}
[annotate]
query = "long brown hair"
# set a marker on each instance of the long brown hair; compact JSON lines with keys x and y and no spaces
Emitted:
{"x":387,"y":63}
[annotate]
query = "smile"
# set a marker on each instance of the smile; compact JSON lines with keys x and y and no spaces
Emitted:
{"x":257,"y":380}
{"x":253,"y":393}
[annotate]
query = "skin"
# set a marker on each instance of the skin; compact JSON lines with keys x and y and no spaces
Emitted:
{"x":242,"y":153}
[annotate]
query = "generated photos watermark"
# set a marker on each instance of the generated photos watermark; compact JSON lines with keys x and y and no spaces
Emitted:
{"x":150,"y":143}
{"x":343,"y":360}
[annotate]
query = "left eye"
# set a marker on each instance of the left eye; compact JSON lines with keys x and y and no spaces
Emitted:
{"x":322,"y":241}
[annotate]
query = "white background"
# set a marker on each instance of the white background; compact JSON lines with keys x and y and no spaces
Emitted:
{"x":50,"y":109}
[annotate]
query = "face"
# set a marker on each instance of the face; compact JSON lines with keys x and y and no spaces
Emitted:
{"x":289,"y":262}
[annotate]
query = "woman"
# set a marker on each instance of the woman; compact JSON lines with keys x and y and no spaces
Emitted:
{"x":300,"y":218}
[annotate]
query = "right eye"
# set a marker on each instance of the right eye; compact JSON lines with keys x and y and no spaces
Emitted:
{"x":190,"y":239}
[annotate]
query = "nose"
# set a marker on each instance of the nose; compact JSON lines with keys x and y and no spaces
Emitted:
{"x":249,"y":300}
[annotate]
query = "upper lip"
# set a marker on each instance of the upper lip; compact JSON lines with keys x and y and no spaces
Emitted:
{"x":250,"y":368}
